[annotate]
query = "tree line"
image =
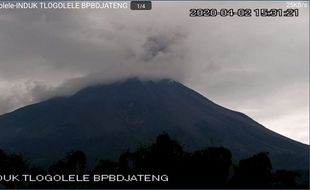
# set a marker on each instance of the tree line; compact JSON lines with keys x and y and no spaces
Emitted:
{"x":211,"y":167}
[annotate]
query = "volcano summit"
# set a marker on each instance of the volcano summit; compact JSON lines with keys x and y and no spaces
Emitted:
{"x":106,"y":120}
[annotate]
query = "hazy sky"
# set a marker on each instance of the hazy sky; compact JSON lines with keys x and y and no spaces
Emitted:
{"x":258,"y":66}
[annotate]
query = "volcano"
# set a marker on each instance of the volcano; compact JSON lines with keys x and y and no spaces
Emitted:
{"x":106,"y":120}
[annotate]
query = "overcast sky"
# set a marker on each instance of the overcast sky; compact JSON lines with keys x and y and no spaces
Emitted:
{"x":258,"y":66}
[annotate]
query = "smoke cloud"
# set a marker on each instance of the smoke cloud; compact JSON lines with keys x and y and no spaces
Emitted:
{"x":258,"y":66}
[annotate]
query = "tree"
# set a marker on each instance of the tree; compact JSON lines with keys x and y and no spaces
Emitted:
{"x":208,"y":167}
{"x":73,"y":163}
{"x":254,"y":172}
{"x":106,"y":166}
{"x":285,"y":179}
{"x":13,"y":164}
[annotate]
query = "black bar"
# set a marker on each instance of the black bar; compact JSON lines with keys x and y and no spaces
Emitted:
{"x":140,"y":5}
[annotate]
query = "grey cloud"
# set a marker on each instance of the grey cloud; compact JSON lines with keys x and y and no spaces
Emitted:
{"x":258,"y":66}
{"x":155,"y":45}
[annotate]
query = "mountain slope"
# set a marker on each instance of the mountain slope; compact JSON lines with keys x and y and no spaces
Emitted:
{"x":106,"y":120}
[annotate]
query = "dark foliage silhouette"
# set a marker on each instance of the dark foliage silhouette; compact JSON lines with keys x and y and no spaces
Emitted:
{"x":210,"y":167}
{"x":13,"y":164}
{"x":74,"y":163}
{"x":106,"y":166}
{"x":285,"y":179}
{"x":161,"y":157}
{"x":254,"y":172}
